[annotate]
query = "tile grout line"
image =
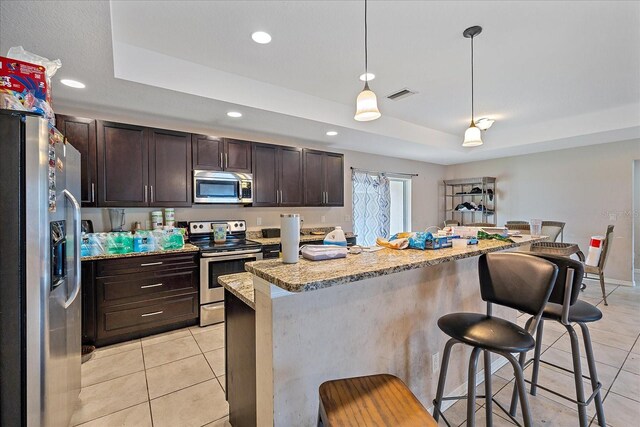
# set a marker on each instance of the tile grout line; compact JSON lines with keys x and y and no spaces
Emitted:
{"x":146,"y":381}
{"x":209,"y":364}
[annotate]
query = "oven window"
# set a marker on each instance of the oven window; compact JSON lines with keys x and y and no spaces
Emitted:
{"x":221,"y":268}
{"x":217,"y":189}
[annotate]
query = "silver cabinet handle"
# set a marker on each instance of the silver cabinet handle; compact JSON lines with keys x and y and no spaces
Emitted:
{"x":93,"y":192}
{"x":151,"y":191}
{"x":147,"y":264}
{"x":281,"y":198}
{"x":277,"y":197}
{"x":221,"y":161}
{"x":226,"y":160}
{"x":326,"y":197}
{"x":146,"y":189}
{"x":155,"y":313}
{"x":151,"y":286}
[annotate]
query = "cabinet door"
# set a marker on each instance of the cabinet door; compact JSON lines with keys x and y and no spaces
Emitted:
{"x":81,"y":133}
{"x":237,"y":155}
{"x":123,"y":159}
{"x":313,"y":177}
{"x":208,"y":152}
{"x":334,"y":170}
{"x":169,"y":168}
{"x":265,"y":176}
{"x":290,"y":176}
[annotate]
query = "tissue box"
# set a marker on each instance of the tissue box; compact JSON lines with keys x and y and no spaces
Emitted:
{"x":23,"y":78}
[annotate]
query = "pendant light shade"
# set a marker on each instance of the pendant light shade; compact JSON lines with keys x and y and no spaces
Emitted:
{"x":367,"y":105}
{"x":472,"y":137}
{"x":367,"y":102}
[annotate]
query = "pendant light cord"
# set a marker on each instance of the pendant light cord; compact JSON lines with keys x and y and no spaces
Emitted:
{"x":472,"y":116}
{"x":366,"y":50}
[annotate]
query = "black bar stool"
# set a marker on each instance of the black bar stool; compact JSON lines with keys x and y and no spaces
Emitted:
{"x":565,"y":307}
{"x":514,"y":280}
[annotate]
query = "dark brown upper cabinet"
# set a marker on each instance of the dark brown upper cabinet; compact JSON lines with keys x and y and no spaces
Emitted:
{"x":277,"y":176}
{"x":237,"y":155}
{"x":323,"y":178}
{"x":169,"y":168}
{"x":81,"y":133}
{"x":221,"y":154}
{"x":123,"y":165}
{"x":207,"y":152}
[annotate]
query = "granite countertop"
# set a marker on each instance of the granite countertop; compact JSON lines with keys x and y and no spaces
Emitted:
{"x":188,"y":247}
{"x":303,"y":238}
{"x":241,"y":285}
{"x":311,"y":275}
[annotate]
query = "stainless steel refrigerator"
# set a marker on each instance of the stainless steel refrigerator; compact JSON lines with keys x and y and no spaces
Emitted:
{"x":40,"y":292}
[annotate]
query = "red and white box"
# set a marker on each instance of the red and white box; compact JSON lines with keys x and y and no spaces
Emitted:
{"x":23,"y":77}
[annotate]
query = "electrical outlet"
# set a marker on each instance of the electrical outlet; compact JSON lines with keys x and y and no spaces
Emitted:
{"x":613,"y":217}
{"x":347,"y":218}
{"x":259,"y":221}
{"x":435,"y":362}
{"x":323,"y":218}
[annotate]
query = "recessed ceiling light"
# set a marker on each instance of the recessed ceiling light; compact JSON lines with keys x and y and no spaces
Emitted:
{"x":332,"y":133}
{"x":484,"y":123}
{"x":234,"y":114}
{"x":367,"y":77}
{"x":73,"y":83}
{"x":261,"y":37}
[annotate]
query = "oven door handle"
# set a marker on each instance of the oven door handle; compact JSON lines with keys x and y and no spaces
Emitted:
{"x":235,"y":256}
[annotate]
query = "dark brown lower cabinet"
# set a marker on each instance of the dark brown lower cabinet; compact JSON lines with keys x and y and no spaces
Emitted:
{"x":126,"y":298}
{"x":240,"y":361}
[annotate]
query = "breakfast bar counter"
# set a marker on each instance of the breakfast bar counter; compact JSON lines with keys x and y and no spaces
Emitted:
{"x":365,"y":314}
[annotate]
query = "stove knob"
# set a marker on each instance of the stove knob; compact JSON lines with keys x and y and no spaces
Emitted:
{"x":236,"y":225}
{"x":200,"y":226}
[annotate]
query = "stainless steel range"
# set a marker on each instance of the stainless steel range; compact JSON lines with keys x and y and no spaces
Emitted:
{"x":217,"y":259}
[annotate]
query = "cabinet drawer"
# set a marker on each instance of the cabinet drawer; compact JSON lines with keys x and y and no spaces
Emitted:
{"x":145,"y":285}
{"x":146,"y":263}
{"x":120,"y":320}
{"x":270,"y":251}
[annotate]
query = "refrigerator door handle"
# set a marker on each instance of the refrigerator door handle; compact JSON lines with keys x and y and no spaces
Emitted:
{"x":76,"y":247}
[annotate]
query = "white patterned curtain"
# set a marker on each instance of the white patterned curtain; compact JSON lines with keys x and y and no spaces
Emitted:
{"x":371,"y":207}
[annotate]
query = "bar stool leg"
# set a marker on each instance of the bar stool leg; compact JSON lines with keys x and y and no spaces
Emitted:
{"x":519,"y":385}
{"x":514,"y":397}
{"x":588,"y":349}
{"x":536,"y":358}
{"x":471,"y":390}
{"x":487,"y":388}
{"x":437,"y":403}
{"x":577,"y":374}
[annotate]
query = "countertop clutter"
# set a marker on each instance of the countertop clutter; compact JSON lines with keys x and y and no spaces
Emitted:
{"x":303,"y":239}
{"x":309,"y":275}
{"x":241,"y":285}
{"x":186,"y":248}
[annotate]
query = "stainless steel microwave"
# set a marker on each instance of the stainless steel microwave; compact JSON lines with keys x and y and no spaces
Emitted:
{"x":222,"y":187}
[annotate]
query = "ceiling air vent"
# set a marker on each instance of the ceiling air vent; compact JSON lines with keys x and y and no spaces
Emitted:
{"x":402,"y":93}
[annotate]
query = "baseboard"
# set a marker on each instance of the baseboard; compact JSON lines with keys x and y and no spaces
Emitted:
{"x":462,"y":390}
{"x":611,"y":281}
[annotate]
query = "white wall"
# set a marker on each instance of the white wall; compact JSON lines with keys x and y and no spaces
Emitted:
{"x":636,"y":217}
{"x":588,"y":188}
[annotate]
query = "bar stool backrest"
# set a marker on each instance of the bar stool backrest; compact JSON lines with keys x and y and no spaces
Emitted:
{"x":565,"y":265}
{"x":605,"y":248}
{"x":523,"y":228}
{"x":517,"y":280}
{"x":553,"y":229}
{"x":508,"y":223}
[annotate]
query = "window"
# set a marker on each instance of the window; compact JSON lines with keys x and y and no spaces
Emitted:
{"x":400,"y":204}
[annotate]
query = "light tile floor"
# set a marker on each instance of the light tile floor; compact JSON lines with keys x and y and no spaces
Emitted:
{"x":171,"y":379}
{"x":177,"y":378}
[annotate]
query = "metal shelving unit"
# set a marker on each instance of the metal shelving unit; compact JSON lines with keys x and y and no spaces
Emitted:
{"x":457,"y":191}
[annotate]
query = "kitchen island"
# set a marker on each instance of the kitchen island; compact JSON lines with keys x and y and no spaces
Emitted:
{"x":364,"y":314}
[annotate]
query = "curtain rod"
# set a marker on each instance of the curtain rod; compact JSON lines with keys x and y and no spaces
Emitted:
{"x":389,"y":173}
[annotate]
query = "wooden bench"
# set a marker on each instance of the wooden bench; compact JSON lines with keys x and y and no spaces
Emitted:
{"x":375,"y":400}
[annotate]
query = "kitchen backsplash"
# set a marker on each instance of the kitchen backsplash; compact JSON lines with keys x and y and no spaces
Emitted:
{"x":269,"y":217}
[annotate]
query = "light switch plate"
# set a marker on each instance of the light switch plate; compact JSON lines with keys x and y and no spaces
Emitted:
{"x":259,"y":221}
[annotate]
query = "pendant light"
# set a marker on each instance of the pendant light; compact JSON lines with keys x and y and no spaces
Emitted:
{"x":367,"y":103}
{"x":472,"y":137}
